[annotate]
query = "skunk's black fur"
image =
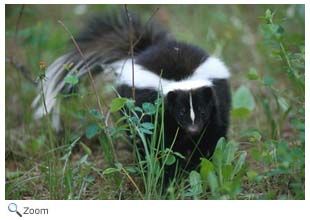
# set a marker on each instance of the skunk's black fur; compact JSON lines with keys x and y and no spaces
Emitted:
{"x":201,"y":111}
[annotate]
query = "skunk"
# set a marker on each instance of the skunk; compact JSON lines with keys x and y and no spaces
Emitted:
{"x":195,"y":85}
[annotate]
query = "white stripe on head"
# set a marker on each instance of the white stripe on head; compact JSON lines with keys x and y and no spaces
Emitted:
{"x":192,"y":113}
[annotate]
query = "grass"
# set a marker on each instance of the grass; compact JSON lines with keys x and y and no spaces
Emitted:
{"x":92,"y":158}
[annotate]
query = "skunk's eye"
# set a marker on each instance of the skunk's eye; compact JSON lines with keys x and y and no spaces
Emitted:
{"x":200,"y":108}
{"x":182,"y":112}
{"x":203,"y":110}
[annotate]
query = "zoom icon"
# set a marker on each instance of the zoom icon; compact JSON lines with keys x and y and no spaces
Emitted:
{"x":13,"y":208}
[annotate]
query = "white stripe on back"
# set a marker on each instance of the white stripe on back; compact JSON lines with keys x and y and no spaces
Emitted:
{"x":212,"y":68}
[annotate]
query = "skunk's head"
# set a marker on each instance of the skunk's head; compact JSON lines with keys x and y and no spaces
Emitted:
{"x":191,"y":109}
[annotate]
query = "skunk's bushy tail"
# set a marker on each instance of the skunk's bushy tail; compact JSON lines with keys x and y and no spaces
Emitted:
{"x":105,"y":39}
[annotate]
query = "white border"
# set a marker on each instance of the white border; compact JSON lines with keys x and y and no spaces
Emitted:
{"x":162,"y":210}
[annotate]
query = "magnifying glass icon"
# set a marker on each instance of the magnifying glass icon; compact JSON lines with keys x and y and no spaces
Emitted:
{"x":13,"y":208}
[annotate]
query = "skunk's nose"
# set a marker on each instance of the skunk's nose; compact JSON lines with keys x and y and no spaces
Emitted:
{"x":193,"y":129}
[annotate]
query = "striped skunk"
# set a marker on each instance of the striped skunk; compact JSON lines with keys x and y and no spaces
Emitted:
{"x":195,"y":85}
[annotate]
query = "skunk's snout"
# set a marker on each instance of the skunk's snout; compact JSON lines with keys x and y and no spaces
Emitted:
{"x":194,"y":130}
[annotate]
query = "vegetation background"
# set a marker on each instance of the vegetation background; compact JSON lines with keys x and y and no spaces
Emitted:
{"x":264,"y":158}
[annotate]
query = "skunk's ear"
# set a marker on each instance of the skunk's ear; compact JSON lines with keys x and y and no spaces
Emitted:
{"x":208,"y":92}
{"x":171,"y":96}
